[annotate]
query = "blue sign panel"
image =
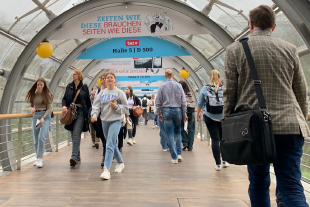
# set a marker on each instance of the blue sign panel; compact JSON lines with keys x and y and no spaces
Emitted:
{"x":129,"y":47}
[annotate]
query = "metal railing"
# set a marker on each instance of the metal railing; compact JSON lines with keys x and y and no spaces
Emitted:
{"x":21,"y":144}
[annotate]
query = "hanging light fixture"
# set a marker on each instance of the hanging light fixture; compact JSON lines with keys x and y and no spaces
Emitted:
{"x":45,"y":49}
{"x":99,"y":82}
{"x":184,"y":73}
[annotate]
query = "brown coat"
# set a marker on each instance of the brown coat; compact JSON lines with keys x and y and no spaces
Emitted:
{"x":283,"y":82}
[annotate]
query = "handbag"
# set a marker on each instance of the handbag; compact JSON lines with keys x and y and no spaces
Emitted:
{"x":138,"y":111}
{"x":67,"y":118}
{"x":128,"y":123}
{"x":247,"y":135}
{"x":52,"y":114}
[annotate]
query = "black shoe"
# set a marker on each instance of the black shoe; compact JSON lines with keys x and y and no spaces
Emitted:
{"x":184,"y":148}
{"x":120,"y":149}
{"x":97,"y":145}
{"x":73,"y":162}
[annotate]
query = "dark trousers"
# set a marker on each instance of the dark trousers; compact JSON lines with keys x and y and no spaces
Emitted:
{"x":145,"y":116}
{"x":188,"y":138}
{"x":99,"y":133}
{"x":288,"y":174}
{"x":134,"y":122}
{"x":215,"y":131}
{"x":121,"y":136}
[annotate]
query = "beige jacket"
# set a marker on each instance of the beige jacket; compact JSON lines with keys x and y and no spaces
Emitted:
{"x":283,"y":82}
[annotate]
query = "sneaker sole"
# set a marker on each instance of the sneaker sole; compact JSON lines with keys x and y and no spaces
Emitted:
{"x":39,"y":166}
{"x":180,"y":160}
{"x":129,"y":143}
{"x":104,"y":178}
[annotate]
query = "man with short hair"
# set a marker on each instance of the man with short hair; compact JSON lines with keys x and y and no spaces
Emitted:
{"x":171,"y":105}
{"x":284,"y":88}
{"x":144,"y":102}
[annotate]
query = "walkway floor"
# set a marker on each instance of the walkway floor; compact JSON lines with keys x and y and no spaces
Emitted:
{"x":149,"y":179}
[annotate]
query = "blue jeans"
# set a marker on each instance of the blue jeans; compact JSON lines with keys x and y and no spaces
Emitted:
{"x":172,"y":118}
{"x":288,"y":174}
{"x":110,"y":131}
{"x":39,"y":135}
{"x":162,"y":134}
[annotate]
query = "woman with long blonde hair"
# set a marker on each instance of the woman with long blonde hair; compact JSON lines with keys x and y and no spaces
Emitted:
{"x":40,"y":99}
{"x":211,"y":101}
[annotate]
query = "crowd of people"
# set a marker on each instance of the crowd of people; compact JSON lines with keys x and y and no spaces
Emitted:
{"x":109,"y":113}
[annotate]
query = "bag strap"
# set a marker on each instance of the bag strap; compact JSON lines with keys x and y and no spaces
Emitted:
{"x":77,"y":93}
{"x":254,"y":75}
{"x":134,"y":100}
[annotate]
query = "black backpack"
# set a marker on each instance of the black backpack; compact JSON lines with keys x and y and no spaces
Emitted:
{"x":144,"y":103}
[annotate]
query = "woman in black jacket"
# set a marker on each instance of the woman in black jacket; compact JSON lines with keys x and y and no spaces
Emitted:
{"x":82,"y":103}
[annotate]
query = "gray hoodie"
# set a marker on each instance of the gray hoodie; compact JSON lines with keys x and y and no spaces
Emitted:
{"x":102,"y":104}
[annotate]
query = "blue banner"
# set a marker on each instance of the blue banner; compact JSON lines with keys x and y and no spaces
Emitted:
{"x":131,"y":47}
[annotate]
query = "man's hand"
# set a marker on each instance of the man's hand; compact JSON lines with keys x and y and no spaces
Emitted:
{"x":185,"y":119}
{"x":33,"y":110}
{"x":160,"y":117}
{"x":113,"y":104}
{"x":93,"y":119}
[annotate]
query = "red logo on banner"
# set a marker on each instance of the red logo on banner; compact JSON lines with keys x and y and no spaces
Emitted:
{"x":130,"y":43}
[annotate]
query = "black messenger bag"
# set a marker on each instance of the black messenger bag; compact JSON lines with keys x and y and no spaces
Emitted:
{"x":247,"y":135}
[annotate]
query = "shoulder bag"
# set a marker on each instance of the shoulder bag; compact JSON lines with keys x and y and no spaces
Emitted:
{"x":138,"y":111}
{"x":247,"y":135}
{"x":67,"y":118}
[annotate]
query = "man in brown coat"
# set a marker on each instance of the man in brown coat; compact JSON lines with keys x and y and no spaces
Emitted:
{"x":284,"y":88}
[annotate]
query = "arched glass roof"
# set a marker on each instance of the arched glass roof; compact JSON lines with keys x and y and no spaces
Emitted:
{"x":21,"y":20}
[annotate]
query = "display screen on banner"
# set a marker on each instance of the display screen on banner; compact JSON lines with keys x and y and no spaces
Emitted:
{"x":132,"y":21}
{"x":127,"y":63}
{"x":133,"y":47}
{"x":157,"y":63}
{"x":143,"y":63}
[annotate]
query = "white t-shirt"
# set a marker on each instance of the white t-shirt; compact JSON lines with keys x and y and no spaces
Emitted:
{"x":130,"y":102}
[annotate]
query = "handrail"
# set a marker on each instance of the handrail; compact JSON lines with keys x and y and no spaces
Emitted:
{"x":13,"y":116}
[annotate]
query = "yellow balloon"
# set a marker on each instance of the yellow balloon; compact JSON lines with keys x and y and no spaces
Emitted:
{"x":99,"y":82}
{"x":184,"y":73}
{"x":45,"y":50}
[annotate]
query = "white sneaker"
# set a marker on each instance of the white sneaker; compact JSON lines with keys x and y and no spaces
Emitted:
{"x":106,"y":174}
{"x":133,"y":141}
{"x":174,"y":161}
{"x":180,"y":159}
{"x":165,"y":150}
{"x":225,"y":164}
{"x":130,"y":142}
{"x":35,"y":162}
{"x":218,"y":167}
{"x":119,"y":167}
{"x":39,"y":163}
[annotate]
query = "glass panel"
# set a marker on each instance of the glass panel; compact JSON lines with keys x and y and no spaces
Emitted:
{"x":192,"y":83}
{"x":2,"y":85}
{"x":63,"y":48}
{"x":80,"y":64}
{"x":20,"y":8}
{"x":10,"y":57}
{"x":203,"y":76}
{"x":286,"y":31}
{"x":94,"y":72}
{"x":42,"y":67}
{"x":192,"y":62}
{"x":67,"y":78}
{"x":58,"y":98}
{"x":205,"y":43}
{"x":218,"y":63}
{"x":20,"y":105}
{"x":228,"y":17}
{"x":87,"y":81}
